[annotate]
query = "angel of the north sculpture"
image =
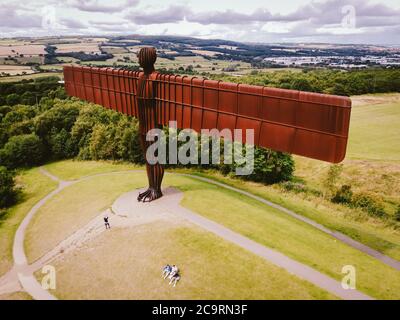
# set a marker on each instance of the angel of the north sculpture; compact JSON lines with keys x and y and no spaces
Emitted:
{"x":303,"y":123}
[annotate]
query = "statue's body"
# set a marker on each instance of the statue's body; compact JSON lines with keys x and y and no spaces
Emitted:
{"x":148,"y":120}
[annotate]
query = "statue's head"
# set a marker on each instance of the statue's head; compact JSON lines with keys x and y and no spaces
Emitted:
{"x":147,"y":57}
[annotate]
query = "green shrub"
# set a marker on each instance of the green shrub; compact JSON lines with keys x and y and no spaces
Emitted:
{"x":271,"y":166}
{"x":344,"y":195}
{"x":8,"y":191}
{"x":397,"y":214}
{"x":332,"y":178}
{"x":369,"y":204}
{"x":294,"y":186}
{"x":22,"y":151}
{"x":12,"y":99}
{"x":28,"y":98}
{"x":4,"y":110}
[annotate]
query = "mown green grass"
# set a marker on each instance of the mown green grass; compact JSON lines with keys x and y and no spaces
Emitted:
{"x":35,"y":187}
{"x":126,"y":264}
{"x":72,"y":169}
{"x":375,"y":132}
{"x":239,"y":213}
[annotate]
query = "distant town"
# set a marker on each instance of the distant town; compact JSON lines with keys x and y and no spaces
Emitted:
{"x":340,"y":62}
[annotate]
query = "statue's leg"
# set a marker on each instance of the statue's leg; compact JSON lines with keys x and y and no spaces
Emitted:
{"x":155,"y":174}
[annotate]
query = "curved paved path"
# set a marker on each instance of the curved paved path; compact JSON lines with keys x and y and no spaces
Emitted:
{"x":24,"y":272}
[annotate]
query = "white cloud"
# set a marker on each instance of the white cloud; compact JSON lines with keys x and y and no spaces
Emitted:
{"x":251,"y":20}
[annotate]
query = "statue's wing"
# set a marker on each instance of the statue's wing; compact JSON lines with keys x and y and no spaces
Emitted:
{"x":303,"y":123}
{"x":111,"y":88}
{"x":307,"y":124}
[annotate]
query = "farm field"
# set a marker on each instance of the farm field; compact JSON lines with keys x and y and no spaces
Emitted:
{"x":25,"y":60}
{"x":31,"y":76}
{"x":23,"y":52}
{"x":77,"y":47}
{"x":53,"y":67}
{"x":25,"y":49}
{"x":15,"y":70}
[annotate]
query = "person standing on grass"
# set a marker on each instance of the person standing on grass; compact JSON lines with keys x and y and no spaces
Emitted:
{"x":106,"y":223}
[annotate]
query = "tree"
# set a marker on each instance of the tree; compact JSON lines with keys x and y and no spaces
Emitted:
{"x":302,"y":84}
{"x":344,"y":195}
{"x":12,"y":99}
{"x":61,"y":145}
{"x":269,"y":166}
{"x":18,"y":114}
{"x":331,"y":179}
{"x":28,"y":98}
{"x":8,"y":191}
{"x":62,"y":116}
{"x":22,"y":151}
{"x":102,"y":143}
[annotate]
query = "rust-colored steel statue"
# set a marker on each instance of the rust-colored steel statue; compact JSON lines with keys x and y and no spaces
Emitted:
{"x":303,"y":123}
{"x":148,"y":119}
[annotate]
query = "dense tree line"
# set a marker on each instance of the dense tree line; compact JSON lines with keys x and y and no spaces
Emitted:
{"x":28,"y":92}
{"x":326,"y":81}
{"x":52,"y":54}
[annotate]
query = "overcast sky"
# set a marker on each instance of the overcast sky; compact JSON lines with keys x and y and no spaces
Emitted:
{"x":334,"y":21}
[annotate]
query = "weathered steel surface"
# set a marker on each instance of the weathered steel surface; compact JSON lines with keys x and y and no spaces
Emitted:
{"x":307,"y":124}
